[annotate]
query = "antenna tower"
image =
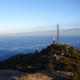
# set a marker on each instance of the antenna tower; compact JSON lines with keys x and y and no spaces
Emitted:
{"x":57,"y":33}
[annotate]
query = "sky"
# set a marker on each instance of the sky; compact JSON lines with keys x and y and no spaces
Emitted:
{"x":18,"y":16}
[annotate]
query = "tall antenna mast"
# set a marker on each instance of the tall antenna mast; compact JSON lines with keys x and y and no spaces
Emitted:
{"x":57,"y":33}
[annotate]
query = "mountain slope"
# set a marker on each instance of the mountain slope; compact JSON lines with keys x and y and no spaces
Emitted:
{"x":62,"y":59}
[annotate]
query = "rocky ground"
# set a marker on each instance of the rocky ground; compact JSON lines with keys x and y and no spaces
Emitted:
{"x":39,"y":75}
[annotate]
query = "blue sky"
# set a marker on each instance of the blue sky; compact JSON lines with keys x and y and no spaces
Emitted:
{"x":37,"y":15}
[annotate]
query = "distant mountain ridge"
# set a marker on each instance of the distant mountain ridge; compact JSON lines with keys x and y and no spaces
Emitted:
{"x":30,"y":44}
{"x":5,"y":54}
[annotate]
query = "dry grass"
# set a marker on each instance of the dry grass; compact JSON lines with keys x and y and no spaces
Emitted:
{"x":36,"y":76}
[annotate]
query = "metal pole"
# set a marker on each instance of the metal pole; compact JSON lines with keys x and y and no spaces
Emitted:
{"x":57,"y":33}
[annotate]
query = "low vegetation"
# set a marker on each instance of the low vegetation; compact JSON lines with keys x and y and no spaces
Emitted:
{"x":56,"y":58}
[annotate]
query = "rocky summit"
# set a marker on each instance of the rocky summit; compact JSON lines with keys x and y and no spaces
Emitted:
{"x":58,"y":60}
